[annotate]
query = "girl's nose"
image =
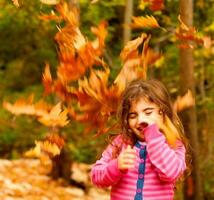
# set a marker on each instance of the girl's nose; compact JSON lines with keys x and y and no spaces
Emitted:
{"x":140,"y":119}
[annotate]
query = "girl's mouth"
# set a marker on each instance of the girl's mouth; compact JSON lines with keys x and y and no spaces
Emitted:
{"x":141,"y":126}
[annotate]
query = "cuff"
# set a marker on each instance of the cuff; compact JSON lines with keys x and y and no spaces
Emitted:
{"x":113,"y":168}
{"x":151,"y":132}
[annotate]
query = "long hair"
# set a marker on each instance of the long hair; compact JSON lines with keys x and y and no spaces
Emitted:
{"x":155,"y":92}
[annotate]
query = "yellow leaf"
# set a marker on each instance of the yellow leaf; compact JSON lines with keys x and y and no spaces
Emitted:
{"x":43,"y":147}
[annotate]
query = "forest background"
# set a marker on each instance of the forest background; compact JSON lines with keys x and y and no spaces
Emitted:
{"x":27,"y":43}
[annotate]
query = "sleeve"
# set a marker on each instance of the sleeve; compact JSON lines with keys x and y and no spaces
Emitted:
{"x":169,"y":163}
{"x":105,"y":171}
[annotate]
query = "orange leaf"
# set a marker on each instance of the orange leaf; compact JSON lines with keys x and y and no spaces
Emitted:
{"x":186,"y":34}
{"x":97,"y":101}
{"x":65,"y":92}
{"x":135,"y":65}
{"x":21,"y":106}
{"x":144,"y":22}
{"x":131,"y":46}
{"x":56,"y":117}
{"x":47,"y":80}
{"x":56,"y":139}
{"x":101,"y":34}
{"x":184,"y":102}
{"x":170,"y":131}
{"x":43,"y":147}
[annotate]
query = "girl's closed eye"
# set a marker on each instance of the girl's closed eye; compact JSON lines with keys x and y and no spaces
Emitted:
{"x":148,"y":113}
{"x":132,"y":115}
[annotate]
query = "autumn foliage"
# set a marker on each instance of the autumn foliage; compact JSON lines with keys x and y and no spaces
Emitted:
{"x":82,"y":78}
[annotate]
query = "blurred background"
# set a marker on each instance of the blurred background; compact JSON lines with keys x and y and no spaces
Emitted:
{"x":27,"y":43}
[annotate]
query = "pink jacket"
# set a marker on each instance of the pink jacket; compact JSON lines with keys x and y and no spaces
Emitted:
{"x":157,"y":168}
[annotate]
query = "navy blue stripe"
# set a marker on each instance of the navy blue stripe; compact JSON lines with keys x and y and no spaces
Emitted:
{"x":141,"y":172}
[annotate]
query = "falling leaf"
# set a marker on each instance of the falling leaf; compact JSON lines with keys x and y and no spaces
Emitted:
{"x":97,"y":100}
{"x":27,"y":107}
{"x":170,"y":131}
{"x":56,"y":117}
{"x":207,"y":42}
{"x":55,"y":139}
{"x":144,"y":22}
{"x":142,"y":5}
{"x":16,"y":3}
{"x":94,"y":1}
{"x":184,"y":102}
{"x":48,"y":147}
{"x":186,"y":35}
{"x":41,"y":148}
{"x":63,"y":91}
{"x":77,"y":54}
{"x":135,"y":63}
{"x":154,"y":5}
{"x":131,"y":46}
{"x":21,"y":106}
{"x":50,"y":2}
{"x":47,"y":80}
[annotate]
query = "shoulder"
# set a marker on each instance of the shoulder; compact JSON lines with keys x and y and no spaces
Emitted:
{"x":116,"y":144}
{"x":119,"y":140}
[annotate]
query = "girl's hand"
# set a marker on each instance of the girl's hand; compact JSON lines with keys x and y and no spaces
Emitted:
{"x":127,"y":159}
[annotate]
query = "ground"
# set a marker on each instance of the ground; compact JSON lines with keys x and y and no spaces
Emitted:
{"x":28,"y":179}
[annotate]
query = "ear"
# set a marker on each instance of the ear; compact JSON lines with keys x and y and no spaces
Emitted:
{"x":160,"y":112}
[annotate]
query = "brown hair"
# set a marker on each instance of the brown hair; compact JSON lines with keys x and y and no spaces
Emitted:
{"x":156,"y":92}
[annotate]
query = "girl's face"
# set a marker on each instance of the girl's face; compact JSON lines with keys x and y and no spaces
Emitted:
{"x":141,"y":114}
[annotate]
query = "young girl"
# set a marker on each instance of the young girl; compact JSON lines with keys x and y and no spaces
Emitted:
{"x":144,"y":161}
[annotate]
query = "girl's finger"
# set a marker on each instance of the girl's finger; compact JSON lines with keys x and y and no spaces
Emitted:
{"x":129,"y":156}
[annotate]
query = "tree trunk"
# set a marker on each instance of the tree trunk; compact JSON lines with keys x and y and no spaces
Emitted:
{"x":61,"y":166}
{"x":127,"y":21}
{"x":190,"y":117}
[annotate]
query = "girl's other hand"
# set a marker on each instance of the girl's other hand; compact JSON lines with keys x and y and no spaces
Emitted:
{"x":127,"y":159}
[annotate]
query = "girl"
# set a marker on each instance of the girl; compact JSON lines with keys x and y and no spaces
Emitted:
{"x":144,"y":161}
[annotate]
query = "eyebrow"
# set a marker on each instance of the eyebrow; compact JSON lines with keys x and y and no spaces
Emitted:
{"x":148,"y":109}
